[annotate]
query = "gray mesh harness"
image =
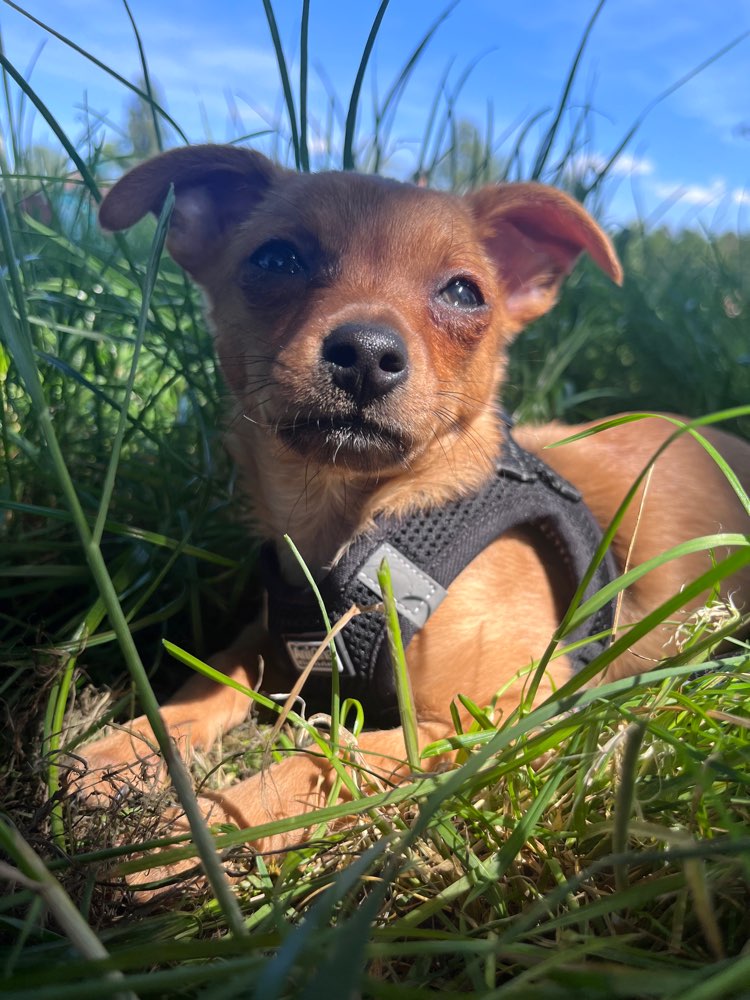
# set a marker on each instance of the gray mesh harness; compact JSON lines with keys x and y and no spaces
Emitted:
{"x":426,"y":552}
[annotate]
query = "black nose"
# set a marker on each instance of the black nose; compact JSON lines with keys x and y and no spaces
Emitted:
{"x":365,"y":361}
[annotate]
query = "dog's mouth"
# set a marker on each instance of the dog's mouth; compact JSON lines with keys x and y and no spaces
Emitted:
{"x":355,"y":442}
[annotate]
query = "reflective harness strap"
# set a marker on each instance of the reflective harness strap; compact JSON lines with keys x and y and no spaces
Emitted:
{"x":426,"y":551}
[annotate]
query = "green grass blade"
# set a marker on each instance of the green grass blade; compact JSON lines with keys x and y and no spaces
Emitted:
{"x":304,"y":155}
{"x":705,"y":583}
{"x":95,"y":560}
{"x":385,"y":114}
{"x":575,"y":699}
{"x":58,"y":702}
{"x":655,"y":102}
{"x":335,"y":681}
{"x":152,"y":270}
{"x":33,"y":872}
{"x":430,"y":122}
{"x":14,"y":324}
{"x":286,"y":86}
{"x":123,"y":81}
{"x":404,"y":695}
{"x":625,"y":795}
{"x":146,"y":78}
{"x":277,"y":976}
{"x":730,"y":981}
{"x":216,"y":675}
{"x":638,"y":630}
{"x":124,"y":530}
{"x":548,"y":140}
{"x":340,"y":972}
{"x":707,"y":543}
{"x":683,"y":427}
{"x":67,"y":145}
{"x":348,"y":161}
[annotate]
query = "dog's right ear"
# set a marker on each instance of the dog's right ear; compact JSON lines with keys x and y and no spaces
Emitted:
{"x":216,"y":187}
{"x":534,"y":235}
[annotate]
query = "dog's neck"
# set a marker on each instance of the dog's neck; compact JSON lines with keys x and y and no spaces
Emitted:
{"x":322,"y":509}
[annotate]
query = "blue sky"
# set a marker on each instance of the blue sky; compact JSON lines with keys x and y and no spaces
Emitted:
{"x":688,"y":164}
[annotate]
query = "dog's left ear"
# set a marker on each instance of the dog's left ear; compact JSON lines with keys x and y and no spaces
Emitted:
{"x":535,"y":234}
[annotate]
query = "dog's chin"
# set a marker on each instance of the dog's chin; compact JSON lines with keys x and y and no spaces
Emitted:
{"x":351,"y":445}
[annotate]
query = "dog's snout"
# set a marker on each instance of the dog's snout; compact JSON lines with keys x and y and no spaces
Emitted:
{"x":365,"y":361}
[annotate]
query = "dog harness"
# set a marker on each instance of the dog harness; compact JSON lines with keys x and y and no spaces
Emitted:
{"x":426,"y":551}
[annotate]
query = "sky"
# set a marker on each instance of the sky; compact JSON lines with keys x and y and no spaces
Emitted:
{"x":688,"y":163}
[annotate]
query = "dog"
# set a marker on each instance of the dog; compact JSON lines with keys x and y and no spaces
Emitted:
{"x":362,"y":326}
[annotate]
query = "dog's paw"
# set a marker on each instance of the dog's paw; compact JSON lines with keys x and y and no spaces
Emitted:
{"x":126,"y":760}
{"x":221,"y":814}
{"x":163,"y":880}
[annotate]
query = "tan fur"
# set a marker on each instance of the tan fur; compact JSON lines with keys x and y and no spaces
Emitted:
{"x":379,"y":252}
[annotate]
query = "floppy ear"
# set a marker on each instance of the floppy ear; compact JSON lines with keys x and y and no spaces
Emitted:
{"x":215,"y":188}
{"x":535,"y":234}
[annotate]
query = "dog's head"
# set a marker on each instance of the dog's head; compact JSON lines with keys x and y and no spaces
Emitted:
{"x":359,"y":320}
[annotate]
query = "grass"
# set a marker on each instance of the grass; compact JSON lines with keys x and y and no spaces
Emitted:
{"x":594,"y":846}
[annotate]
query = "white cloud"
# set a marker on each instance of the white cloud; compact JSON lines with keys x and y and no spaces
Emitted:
{"x":633,"y":166}
{"x":699,"y":195}
{"x":626,"y":165}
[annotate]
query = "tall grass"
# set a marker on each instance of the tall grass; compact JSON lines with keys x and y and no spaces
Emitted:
{"x":596,"y":845}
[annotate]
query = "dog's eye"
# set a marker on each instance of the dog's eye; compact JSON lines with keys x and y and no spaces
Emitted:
{"x":278,"y":257}
{"x":462,"y":294}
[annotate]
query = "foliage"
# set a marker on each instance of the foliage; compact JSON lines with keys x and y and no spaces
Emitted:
{"x":675,"y":337}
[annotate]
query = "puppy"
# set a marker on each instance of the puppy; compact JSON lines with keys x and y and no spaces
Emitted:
{"x":362,"y":325}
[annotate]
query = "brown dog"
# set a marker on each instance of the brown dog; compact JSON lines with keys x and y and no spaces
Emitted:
{"x":362,"y":325}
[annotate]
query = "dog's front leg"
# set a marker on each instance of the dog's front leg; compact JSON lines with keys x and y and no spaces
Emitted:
{"x":196,"y":716}
{"x":303,"y":783}
{"x":296,"y":786}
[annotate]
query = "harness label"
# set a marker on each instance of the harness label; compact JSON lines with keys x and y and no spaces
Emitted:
{"x":302,"y":650}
